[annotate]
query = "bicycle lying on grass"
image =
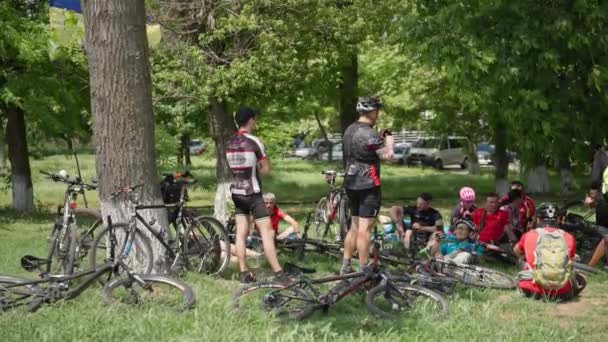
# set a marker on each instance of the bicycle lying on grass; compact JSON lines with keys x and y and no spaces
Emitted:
{"x":130,"y":288}
{"x":388,"y":295}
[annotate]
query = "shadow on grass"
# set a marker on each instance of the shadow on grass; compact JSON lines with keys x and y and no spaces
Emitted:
{"x":11,"y":216}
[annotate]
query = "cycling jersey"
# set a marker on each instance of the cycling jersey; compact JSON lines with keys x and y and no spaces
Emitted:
{"x":360,"y":143}
{"x":427,"y":218}
{"x":243,"y":153}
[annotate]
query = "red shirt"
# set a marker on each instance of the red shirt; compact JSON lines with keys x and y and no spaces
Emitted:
{"x":276,"y":216}
{"x":494,"y":224}
{"x":527,"y":212}
{"x":527,"y":243}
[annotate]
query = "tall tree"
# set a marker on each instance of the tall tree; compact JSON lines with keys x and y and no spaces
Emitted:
{"x":121,"y":102}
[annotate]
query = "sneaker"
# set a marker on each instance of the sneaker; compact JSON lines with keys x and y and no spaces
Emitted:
{"x":285,"y":278}
{"x":346,"y":270}
{"x":247,"y":277}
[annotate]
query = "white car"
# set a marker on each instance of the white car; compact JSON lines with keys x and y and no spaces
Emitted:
{"x":197,"y":147}
{"x":336,"y":153}
{"x":401,"y":152}
{"x":439,"y":152}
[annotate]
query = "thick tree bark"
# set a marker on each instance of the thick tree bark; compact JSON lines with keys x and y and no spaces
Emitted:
{"x":501,"y":159}
{"x":21,"y":174}
{"x":222,"y":128}
{"x":121,"y":102}
{"x":325,"y":137}
{"x":186,"y":149}
{"x":348,"y":92}
{"x":2,"y":144}
{"x":537,"y":180}
{"x":180,"y":153}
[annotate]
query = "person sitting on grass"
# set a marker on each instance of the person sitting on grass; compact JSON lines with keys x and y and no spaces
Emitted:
{"x":425,"y":220}
{"x":277,"y":215}
{"x":548,"y":253}
{"x":596,"y":200}
{"x":465,"y":208}
{"x":459,"y":247}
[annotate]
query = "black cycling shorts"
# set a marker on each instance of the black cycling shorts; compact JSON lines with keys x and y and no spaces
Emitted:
{"x":252,"y":205}
{"x":364,"y":203}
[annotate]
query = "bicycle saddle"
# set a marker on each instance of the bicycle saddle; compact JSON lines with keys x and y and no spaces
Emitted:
{"x":295,"y":269}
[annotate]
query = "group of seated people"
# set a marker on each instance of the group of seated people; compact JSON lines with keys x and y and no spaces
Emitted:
{"x":512,"y":219}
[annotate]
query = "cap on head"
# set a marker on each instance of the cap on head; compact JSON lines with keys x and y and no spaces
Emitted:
{"x":244,"y":114}
{"x":466,"y":224}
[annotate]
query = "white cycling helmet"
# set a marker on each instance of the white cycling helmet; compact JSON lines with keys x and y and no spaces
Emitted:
{"x":368,"y":104}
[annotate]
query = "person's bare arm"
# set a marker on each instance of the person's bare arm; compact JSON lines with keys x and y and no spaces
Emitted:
{"x":293,"y":223}
{"x":429,"y":229}
{"x":386,"y":152}
{"x":264,"y":166}
{"x":518,"y":252}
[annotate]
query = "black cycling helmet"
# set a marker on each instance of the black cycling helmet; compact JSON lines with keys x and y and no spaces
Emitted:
{"x":464,"y":222}
{"x":368,"y":104}
{"x":547,"y":212}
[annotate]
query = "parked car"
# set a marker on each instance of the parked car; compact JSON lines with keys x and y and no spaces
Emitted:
{"x":314,"y":150}
{"x":401,"y":152}
{"x":336,"y":153}
{"x":485,"y":154}
{"x":439,"y":152}
{"x":197,"y":147}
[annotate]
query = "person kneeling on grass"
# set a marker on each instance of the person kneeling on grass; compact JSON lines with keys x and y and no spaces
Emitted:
{"x":458,"y":247}
{"x":549,"y":256}
{"x":277,"y":215}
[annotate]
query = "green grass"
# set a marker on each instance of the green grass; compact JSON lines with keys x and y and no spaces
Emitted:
{"x":475,"y":315}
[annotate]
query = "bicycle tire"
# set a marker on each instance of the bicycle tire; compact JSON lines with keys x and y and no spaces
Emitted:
{"x":269,"y":301}
{"x":400,"y":299}
{"x":321,"y":217}
{"x":72,"y":235}
{"x":344,"y":216}
{"x":142,"y":250}
{"x":183,"y":300}
{"x":27,"y":295}
{"x":585,"y":268}
{"x":479,"y":276}
{"x":210,"y":247}
{"x":62,"y":261}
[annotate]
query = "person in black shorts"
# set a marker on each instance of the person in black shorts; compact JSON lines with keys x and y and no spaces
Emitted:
{"x":246,"y":158}
{"x":363,"y":149}
{"x":424,"y":220}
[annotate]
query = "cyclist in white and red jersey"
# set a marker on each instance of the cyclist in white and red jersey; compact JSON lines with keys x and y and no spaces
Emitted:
{"x":363,"y":148}
{"x":245,"y":154}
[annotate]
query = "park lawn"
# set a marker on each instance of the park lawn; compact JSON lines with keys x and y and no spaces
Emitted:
{"x":475,"y":314}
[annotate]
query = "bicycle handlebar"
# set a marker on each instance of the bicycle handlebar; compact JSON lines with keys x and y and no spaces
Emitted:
{"x":126,"y":190}
{"x":333,"y":173}
{"x":64,"y":179}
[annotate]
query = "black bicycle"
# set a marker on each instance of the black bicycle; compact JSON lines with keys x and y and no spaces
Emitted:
{"x":332,"y":210}
{"x":67,"y":246}
{"x":387,"y":296}
{"x":576,"y":220}
{"x":129,"y":288}
{"x":197,"y":246}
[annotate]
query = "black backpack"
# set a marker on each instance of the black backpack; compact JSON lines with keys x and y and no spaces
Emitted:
{"x":170,"y":190}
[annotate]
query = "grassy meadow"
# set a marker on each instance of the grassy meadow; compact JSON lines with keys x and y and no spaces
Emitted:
{"x":475,"y":314}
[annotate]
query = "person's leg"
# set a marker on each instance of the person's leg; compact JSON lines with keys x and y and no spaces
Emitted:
{"x":600,"y":252}
{"x":407,"y":238}
{"x":363,"y":239}
{"x":396,"y":214}
{"x":242,"y":231}
{"x":350,"y":245}
{"x":270,"y":249}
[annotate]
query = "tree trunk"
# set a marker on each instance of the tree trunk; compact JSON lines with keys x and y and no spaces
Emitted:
{"x":472,"y":159}
{"x":537,"y":180}
{"x":325,"y":137}
{"x":21,"y":174}
{"x":348,"y":92}
{"x":566,"y":176}
{"x":222,"y":128}
{"x":501,"y":159}
{"x":186,"y":149}
{"x":180,"y":153}
{"x":123,"y":118}
{"x":2,"y":145}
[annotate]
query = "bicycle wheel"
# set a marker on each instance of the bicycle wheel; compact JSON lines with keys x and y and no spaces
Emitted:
{"x":388,"y":300}
{"x":479,"y":276}
{"x":344,"y":216}
{"x":62,"y":249}
{"x":137,"y":255}
{"x":156,"y":290}
{"x":283,"y":302}
{"x":16,"y":292}
{"x":206,"y":246}
{"x":321,"y":217}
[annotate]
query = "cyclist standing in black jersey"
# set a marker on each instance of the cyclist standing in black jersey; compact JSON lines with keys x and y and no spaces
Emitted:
{"x":363,"y":148}
{"x":247,"y":158}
